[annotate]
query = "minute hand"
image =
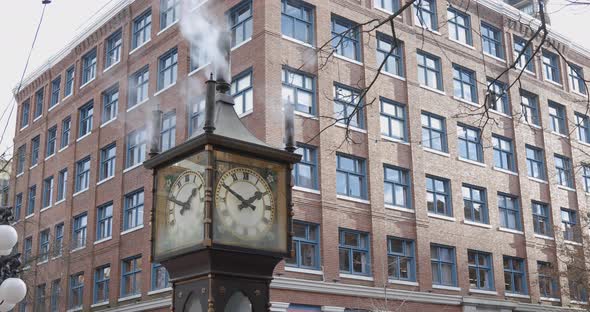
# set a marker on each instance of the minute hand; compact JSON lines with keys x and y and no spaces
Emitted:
{"x":240,"y":198}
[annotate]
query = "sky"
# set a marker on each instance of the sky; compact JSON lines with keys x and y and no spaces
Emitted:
{"x":66,"y":18}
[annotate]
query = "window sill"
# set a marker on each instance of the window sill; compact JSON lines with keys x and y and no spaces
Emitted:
{"x":305,"y":44}
{"x":77,"y":249}
{"x":49,"y":157}
{"x":398,"y":208}
{"x":430,"y":150}
{"x":198,"y":69}
{"x":538,"y":180}
{"x":112,"y":65}
{"x":352,"y":199}
{"x":241,"y":44}
{"x":470,"y":103}
{"x":108,"y":122}
{"x":503,"y":229}
{"x":59,"y":202}
{"x":344,"y":58}
{"x":74,"y":309}
{"x":555,"y":83}
{"x":100,"y":304}
{"x":132,"y":167}
{"x":306,"y":115}
{"x":23,"y":128}
{"x":80,"y":192}
{"x":518,"y":68}
{"x":500,"y":113}
{"x":560,"y":134}
{"x":137,"y":104}
{"x":105,"y":180}
{"x":386,"y":11}
{"x":53,"y":107}
{"x":137,"y":228}
{"x":63,"y":148}
{"x":393,"y":75}
{"x":307,"y":190}
{"x":84,"y":136}
{"x":400,"y":282}
{"x":572,"y":243}
{"x":244,"y":114}
{"x":167,"y":27}
{"x":106,"y":239}
{"x":483,"y":292}
{"x":417,"y":23}
{"x":473,"y":162}
{"x":88,"y":82}
{"x":45,"y":208}
{"x":42,"y":262}
{"x":140,"y":46}
{"x":506,"y":171}
{"x":544,"y":237}
{"x":20,"y":175}
{"x":38,"y":117}
{"x":137,"y":296}
{"x":343,"y":126}
{"x":33,"y":166}
{"x":495,"y":57}
{"x":437,"y":216}
{"x":467,"y":45}
{"x":306,"y":271}
{"x":579,"y":302}
{"x":394,"y":140}
{"x":356,"y":277}
{"x":164,"y":89}
{"x":432,"y":89}
{"x":29,"y":216}
{"x":453,"y":288}
{"x":583,"y":143}
{"x":566,"y":188}
{"x":67,"y":96}
{"x":532,"y":125}
{"x":483,"y":225}
{"x":580,"y":94}
{"x":159,"y":291}
{"x":550,"y":299}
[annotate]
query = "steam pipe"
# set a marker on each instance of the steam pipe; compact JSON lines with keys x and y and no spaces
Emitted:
{"x":209,"y":125}
{"x":156,"y":129}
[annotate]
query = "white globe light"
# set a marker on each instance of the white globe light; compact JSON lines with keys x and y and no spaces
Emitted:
{"x":5,"y":252}
{"x":13,"y":290}
{"x":5,"y":307}
{"x":8,"y":237}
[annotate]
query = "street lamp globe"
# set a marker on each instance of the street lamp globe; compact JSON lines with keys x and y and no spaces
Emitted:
{"x":13,"y":290}
{"x":9,"y":238}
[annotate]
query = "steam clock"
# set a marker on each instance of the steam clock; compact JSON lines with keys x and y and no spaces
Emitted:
{"x":221,"y":218}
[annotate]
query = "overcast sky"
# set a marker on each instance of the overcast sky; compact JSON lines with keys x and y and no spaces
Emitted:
{"x":65,"y":18}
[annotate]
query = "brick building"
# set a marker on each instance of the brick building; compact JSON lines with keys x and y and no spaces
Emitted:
{"x":427,"y":210}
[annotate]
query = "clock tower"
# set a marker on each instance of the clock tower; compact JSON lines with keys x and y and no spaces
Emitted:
{"x":221,"y":217}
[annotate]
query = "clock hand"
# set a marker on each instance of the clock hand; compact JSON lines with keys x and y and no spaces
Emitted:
{"x":249,"y":201}
{"x":174,"y":200}
{"x":187,"y":205}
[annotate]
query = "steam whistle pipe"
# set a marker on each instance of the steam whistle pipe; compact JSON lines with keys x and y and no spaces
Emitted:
{"x":156,"y":129}
{"x":289,"y":127}
{"x":224,"y":44}
{"x":209,"y":125}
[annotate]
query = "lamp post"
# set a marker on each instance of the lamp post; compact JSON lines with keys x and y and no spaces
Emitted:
{"x":12,"y":288}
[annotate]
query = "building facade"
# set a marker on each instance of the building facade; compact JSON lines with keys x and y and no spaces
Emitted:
{"x":413,"y":203}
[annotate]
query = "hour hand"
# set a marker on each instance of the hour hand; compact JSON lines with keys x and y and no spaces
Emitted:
{"x":174,"y":200}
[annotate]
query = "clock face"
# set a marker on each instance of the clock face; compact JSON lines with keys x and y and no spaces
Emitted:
{"x":186,"y":202}
{"x":245,"y":203}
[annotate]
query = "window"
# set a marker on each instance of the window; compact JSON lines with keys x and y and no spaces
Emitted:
{"x":509,"y":212}
{"x":557,"y":117}
{"x":85,"y":115}
{"x":426,"y":14}
{"x":136,"y":147}
{"x":299,"y":88}
{"x":393,"y":120}
{"x":547,"y":280}
{"x":104,"y":219}
{"x":69,"y":87}
{"x":197,"y":115}
{"x":40,"y":298}
{"x":113,"y":49}
{"x":514,"y":276}
{"x":169,"y":12}
{"x":354,"y":252}
{"x":20,"y":165}
{"x":79,"y":233}
{"x":160,"y":277}
{"x":434,"y":132}
{"x":475,"y":204}
{"x":429,"y":71}
{"x":142,"y":29}
{"x":347,"y":108}
{"x":243,"y":93}
{"x":66,"y":126}
{"x":107,"y":161}
{"x":551,"y":67}
{"x":35,"y":144}
{"x":396,"y":188}
{"x":305,"y":173}
{"x":44,"y":246}
{"x":102,"y":277}
{"x":498,"y":97}
{"x":18,"y":206}
{"x":59,"y":240}
{"x":24,"y":117}
{"x":470,"y":146}
{"x":459,"y":26}
{"x":464,"y":83}
{"x":198,"y":57}
{"x":526,"y":58}
{"x":51,"y":141}
{"x":346,"y":38}
{"x":55,"y":294}
{"x":62,"y":184}
{"x":541,"y":219}
{"x":569,"y":225}
{"x":401,"y":261}
{"x":55,"y":89}
{"x":76,"y":290}
{"x":583,"y":124}
{"x":240,"y":20}
{"x":306,"y":245}
{"x":350,"y":176}
{"x":297,"y":20}
{"x":503,"y":153}
{"x":89,"y":66}
{"x":168,"y":131}
{"x":577,"y":286}
{"x":444,"y":269}
{"x":438,"y":196}
{"x":388,"y":48}
{"x":38,"y":104}
{"x":586,"y":177}
{"x":481,"y":275}
{"x":139,"y":87}
{"x":131,"y":276}
{"x":390,"y":6}
{"x":28,"y":251}
{"x":133,"y":215}
{"x":47,"y":192}
{"x":535,"y":160}
{"x":576,"y":78}
{"x":168,"y":69}
{"x":32,"y":197}
{"x":563,"y":170}
{"x":110,"y":104}
{"x":82,"y":174}
{"x":492,"y":40}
